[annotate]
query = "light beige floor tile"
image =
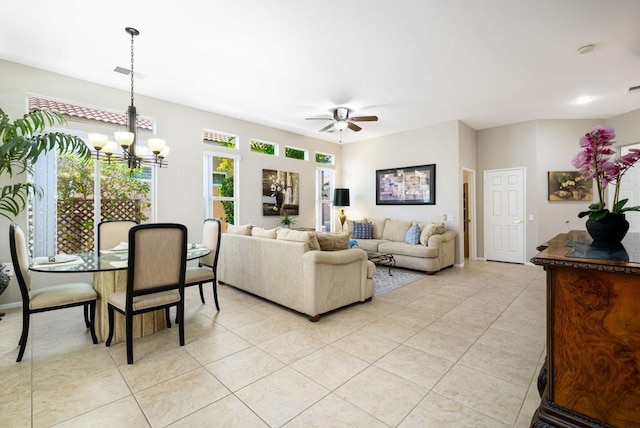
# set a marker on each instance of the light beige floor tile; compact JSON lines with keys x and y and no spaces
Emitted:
{"x":157,"y":368}
{"x":326,"y":330}
{"x":228,"y":412}
{"x":436,"y":411}
{"x":16,"y":380}
{"x":440,"y":344}
{"x":332,"y":411}
{"x":525,"y":346}
{"x":391,"y":329}
{"x":414,"y":316}
{"x":330,"y":367}
{"x":265,"y":330}
{"x":15,"y":413}
{"x":243,"y":368}
{"x":291,"y":346}
{"x":281,"y":396}
{"x":144,"y":347}
{"x":176,"y":398}
{"x":512,"y":321}
{"x":77,"y":397}
{"x":529,"y":407}
{"x":212,"y":348}
{"x":121,"y":413}
{"x":487,"y":394}
{"x":382,"y":394}
{"x":238,"y":318}
{"x":367,"y":347}
{"x":415,"y":365}
{"x":507,"y":366}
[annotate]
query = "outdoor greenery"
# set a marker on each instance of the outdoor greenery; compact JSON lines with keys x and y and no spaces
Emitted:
{"x":290,"y":152}
{"x":226,"y":187}
{"x":264,"y":148}
{"x":323,"y":158}
{"x":22,"y":142}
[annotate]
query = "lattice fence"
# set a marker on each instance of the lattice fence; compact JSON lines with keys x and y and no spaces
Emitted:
{"x":76,"y":225}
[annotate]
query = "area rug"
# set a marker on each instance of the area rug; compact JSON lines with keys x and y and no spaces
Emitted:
{"x":383,"y":282}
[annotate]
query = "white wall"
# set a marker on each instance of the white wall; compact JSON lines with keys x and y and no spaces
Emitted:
{"x":433,"y":145}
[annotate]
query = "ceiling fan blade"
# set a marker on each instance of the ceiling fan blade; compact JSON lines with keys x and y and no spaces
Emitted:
{"x":326,"y":128}
{"x":354,"y":127}
{"x":364,"y":118}
{"x":318,"y":118}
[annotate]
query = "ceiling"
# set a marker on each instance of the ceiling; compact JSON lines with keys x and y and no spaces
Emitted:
{"x":413,"y":63}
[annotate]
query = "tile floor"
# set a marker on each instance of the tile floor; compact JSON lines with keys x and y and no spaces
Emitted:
{"x":461,"y":348}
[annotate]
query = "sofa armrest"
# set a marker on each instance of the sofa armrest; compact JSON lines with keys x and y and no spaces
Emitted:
{"x":437,"y":240}
{"x":340,"y":257}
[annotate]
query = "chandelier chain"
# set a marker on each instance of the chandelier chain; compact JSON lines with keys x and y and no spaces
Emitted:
{"x":132,"y":35}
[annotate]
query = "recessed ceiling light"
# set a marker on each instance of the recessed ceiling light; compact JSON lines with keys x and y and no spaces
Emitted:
{"x":584,"y":100}
{"x":585,"y":49}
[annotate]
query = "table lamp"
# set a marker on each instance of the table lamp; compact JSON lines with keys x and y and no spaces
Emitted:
{"x":341,"y":199}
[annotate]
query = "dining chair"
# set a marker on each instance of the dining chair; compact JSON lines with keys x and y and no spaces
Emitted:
{"x":48,"y":298}
{"x":207,"y":269}
{"x":113,"y":232}
{"x":157,"y":262}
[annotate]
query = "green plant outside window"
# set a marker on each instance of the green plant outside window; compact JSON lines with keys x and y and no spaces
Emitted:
{"x":264,"y":148}
{"x":290,"y":152}
{"x":323,"y":158}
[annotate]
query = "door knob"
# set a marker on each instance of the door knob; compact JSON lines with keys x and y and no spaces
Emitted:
{"x":518,"y":221}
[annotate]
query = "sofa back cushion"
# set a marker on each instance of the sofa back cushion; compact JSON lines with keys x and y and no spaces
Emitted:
{"x":362,"y":230}
{"x":308,"y":238}
{"x":260,"y":232}
{"x":429,"y":229}
{"x":333,"y":241}
{"x":240,"y":230}
{"x":395,"y":230}
{"x":377,"y":226}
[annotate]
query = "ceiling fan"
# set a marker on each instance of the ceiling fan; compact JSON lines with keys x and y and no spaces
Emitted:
{"x":341,"y":120}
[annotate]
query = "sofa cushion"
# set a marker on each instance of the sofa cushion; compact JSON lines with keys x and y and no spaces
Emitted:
{"x":413,"y":235}
{"x":362,"y":230}
{"x":260,"y":232}
{"x":377,"y":225}
{"x":333,"y":241}
{"x":308,"y":238}
{"x":370,"y":244}
{"x":240,"y":229}
{"x":395,"y":230}
{"x":429,"y":229}
{"x":404,"y":249}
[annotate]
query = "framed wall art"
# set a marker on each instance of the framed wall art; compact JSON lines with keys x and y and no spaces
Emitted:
{"x":280,"y":192}
{"x":412,"y":185}
{"x":569,"y":186}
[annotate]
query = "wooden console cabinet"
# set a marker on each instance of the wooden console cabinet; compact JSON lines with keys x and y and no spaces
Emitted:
{"x":591,"y":377}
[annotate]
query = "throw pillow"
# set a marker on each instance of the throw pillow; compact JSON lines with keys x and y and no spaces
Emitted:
{"x":333,"y":241}
{"x":260,"y":232}
{"x":429,"y":229}
{"x":240,"y":230}
{"x":362,"y":231}
{"x":413,"y":235}
{"x":395,"y":230}
{"x":350,"y":222}
{"x":308,"y":238}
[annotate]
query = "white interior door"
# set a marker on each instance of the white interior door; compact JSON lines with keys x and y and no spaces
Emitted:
{"x":504,"y":215}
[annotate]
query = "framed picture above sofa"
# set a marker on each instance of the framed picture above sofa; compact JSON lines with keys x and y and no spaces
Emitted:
{"x":411,"y":185}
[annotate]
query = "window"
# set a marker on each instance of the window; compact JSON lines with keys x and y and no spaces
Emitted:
{"x":220,"y":139}
{"x":325,"y":158}
{"x":295,"y":153}
{"x":263,"y":147}
{"x":324,"y":192}
{"x":221,"y":172}
{"x":65,"y":219}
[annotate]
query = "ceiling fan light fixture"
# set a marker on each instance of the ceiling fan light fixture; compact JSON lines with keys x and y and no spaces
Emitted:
{"x":341,"y":125}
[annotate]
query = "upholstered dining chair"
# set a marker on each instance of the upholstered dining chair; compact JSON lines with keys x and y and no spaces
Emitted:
{"x":207,"y":269}
{"x":49,"y":298}
{"x":113,"y":232}
{"x":155,"y":277}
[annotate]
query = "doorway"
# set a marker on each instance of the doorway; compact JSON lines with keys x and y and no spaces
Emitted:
{"x":468,"y":213}
{"x":504,"y":215}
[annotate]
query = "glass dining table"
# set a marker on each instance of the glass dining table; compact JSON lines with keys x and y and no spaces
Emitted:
{"x":109,"y":270}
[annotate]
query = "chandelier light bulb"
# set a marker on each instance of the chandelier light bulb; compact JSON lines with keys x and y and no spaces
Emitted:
{"x":124,"y":138}
{"x":156,"y":145}
{"x":164,"y":153}
{"x":110,"y":148}
{"x":97,"y":141}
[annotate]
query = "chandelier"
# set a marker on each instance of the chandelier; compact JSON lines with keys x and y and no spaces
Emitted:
{"x":132,"y":154}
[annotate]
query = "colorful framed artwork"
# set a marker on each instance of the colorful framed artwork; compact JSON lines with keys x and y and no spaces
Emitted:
{"x":569,"y":186}
{"x":412,"y":185}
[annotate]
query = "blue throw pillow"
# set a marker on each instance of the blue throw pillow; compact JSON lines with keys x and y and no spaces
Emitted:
{"x":413,"y":235}
{"x":353,"y":243}
{"x":363,"y":231}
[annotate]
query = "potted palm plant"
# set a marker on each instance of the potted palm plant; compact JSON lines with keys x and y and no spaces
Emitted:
{"x":286,"y":220}
{"x":22,"y":141}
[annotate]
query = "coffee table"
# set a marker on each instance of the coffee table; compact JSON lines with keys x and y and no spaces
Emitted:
{"x":382,"y":259}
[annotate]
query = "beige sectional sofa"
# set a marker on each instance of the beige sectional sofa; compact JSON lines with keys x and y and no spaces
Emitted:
{"x":434,"y":251}
{"x":289,"y":268}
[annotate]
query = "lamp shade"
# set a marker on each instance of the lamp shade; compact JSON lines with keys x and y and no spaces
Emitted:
{"x":341,"y":197}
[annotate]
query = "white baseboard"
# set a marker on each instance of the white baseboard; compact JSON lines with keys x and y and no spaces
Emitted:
{"x":11,"y":305}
